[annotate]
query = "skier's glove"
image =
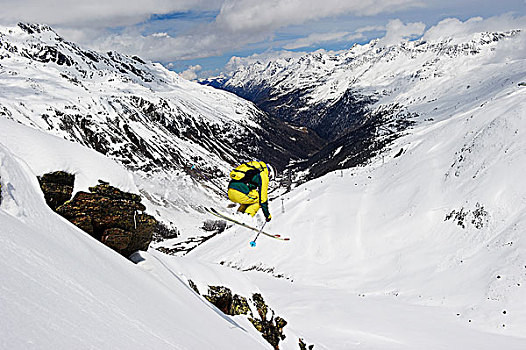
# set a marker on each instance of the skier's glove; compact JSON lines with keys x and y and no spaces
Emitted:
{"x":268,"y":218}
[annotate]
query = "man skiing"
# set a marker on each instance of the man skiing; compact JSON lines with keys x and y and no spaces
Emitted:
{"x":249,"y":187}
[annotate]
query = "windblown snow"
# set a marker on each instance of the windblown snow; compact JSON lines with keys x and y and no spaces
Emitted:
{"x":424,"y":250}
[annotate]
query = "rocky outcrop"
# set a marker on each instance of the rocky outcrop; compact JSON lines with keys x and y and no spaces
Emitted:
{"x":211,"y":228}
{"x":367,"y":138}
{"x":221,"y":297}
{"x":271,"y":328}
{"x":229,"y":304}
{"x":111,"y":216}
{"x":57,"y":187}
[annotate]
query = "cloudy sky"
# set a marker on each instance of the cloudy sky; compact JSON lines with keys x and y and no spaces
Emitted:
{"x":204,"y":37}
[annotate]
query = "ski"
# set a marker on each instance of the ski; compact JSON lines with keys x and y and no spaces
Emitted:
{"x":224,"y":217}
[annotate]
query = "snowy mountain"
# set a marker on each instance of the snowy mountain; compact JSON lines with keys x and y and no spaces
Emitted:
{"x":421,"y":247}
{"x":363,"y":98}
{"x":143,"y":116}
{"x":138,"y":113}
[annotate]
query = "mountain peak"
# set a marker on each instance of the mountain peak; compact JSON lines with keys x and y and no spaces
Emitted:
{"x":32,"y":28}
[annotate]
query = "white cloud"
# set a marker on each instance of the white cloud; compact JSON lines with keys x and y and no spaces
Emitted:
{"x":100,"y":13}
{"x":237,"y":24}
{"x":191,"y":72}
{"x":160,"y":35}
{"x":316,"y":38}
{"x":242,"y":22}
{"x":164,"y":48}
{"x":454,"y":28}
{"x":397,"y":31}
{"x":371,"y":29}
{"x":268,"y":15}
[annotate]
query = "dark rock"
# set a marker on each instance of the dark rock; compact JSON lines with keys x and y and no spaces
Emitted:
{"x":163,"y":232}
{"x":57,"y":187}
{"x":32,"y":28}
{"x":144,"y":231}
{"x":304,"y":346}
{"x":271,"y":330}
{"x":260,"y":305}
{"x":214,"y":225}
{"x":84,"y":222}
{"x":112,"y":216}
{"x":193,"y":286}
{"x":221,"y":297}
{"x":183,"y":247}
{"x":104,"y":189}
{"x":116,"y":238}
{"x":239,"y":306}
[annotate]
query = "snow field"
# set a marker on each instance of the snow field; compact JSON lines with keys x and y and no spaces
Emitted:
{"x":61,"y":289}
{"x":376,"y":242}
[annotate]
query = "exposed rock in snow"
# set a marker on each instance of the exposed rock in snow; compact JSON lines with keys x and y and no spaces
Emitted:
{"x":57,"y":187}
{"x":114,"y":217}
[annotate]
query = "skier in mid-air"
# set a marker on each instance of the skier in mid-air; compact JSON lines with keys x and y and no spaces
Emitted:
{"x":249,"y":187}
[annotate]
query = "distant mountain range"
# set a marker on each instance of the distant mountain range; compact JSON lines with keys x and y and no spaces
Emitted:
{"x":361,"y":99}
{"x":148,"y":118}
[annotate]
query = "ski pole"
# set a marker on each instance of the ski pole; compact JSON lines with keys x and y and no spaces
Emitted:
{"x":253,"y":243}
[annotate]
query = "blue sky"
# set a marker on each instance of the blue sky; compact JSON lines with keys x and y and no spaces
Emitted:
{"x":200,"y":37}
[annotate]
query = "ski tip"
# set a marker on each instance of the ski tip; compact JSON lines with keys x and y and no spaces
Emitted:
{"x":277,"y":235}
{"x":286,"y":239}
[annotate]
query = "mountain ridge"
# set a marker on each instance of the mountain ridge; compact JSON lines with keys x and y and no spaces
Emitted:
{"x":160,"y":120}
{"x":344,"y":94}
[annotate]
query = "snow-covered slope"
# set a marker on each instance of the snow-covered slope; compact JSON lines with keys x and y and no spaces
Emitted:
{"x":423,"y":247}
{"x":138,"y":113}
{"x":61,"y":289}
